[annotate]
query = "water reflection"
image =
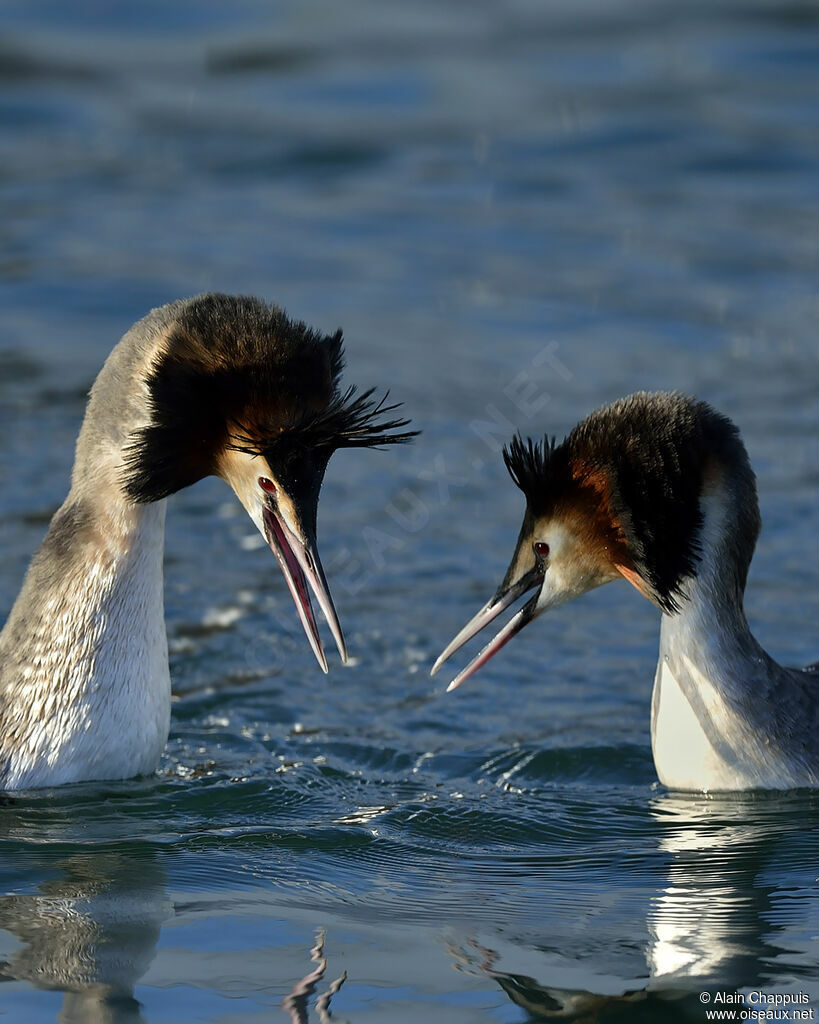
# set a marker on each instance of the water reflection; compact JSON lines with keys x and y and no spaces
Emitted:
{"x":540,"y":1001}
{"x":296,"y":1003}
{"x":91,"y":934}
{"x":710,"y":924}
{"x":713,"y":925}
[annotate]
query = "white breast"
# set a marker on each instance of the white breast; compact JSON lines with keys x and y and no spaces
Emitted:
{"x":88,"y":696}
{"x":705,"y":738}
{"x":684,"y":755}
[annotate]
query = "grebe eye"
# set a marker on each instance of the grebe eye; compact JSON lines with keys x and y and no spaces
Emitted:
{"x":541,"y":549}
{"x":267,"y":485}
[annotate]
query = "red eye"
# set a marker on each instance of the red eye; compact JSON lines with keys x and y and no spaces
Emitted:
{"x":267,"y":485}
{"x":541,"y":549}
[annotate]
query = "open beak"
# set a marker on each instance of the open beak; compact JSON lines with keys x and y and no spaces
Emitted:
{"x":503,"y":599}
{"x":301,"y":566}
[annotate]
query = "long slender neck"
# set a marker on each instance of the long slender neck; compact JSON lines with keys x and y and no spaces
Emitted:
{"x":725,"y":715}
{"x":84,"y":681}
{"x":102,"y":553}
{"x":710,"y":630}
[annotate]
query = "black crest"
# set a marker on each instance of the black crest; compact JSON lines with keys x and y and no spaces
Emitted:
{"x":650,"y":451}
{"x":539,"y":468}
{"x":350,"y":420}
{"x":238,"y":373}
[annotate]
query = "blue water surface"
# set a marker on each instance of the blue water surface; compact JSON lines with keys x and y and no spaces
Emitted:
{"x":517,"y":212}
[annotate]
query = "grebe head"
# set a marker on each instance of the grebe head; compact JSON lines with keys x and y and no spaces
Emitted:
{"x":242,"y":392}
{"x":620,"y":497}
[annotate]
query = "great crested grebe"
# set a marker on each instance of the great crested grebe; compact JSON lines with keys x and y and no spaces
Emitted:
{"x":657,"y":489}
{"x":217,"y":385}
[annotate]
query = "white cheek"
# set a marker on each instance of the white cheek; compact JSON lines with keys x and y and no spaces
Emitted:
{"x":255,"y":514}
{"x":561,"y":563}
{"x":561,"y":541}
{"x":570,"y":571}
{"x":558,"y":584}
{"x":242,"y":471}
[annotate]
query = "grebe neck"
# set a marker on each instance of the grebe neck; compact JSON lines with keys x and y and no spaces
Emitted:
{"x":709,"y":723}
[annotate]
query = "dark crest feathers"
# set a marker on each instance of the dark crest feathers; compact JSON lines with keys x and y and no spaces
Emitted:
{"x":238,"y":373}
{"x":531,"y":464}
{"x":651,"y":451}
{"x":350,"y":420}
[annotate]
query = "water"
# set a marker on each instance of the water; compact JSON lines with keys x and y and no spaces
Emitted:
{"x":516,"y":212}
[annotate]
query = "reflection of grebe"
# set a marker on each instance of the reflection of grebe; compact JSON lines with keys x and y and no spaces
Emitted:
{"x":546,"y":1002}
{"x":90,"y":934}
{"x":717,"y":923}
{"x":728,"y":915}
{"x":212,"y":385}
{"x":296,"y":1003}
{"x":657,"y":489}
{"x":711,"y":921}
